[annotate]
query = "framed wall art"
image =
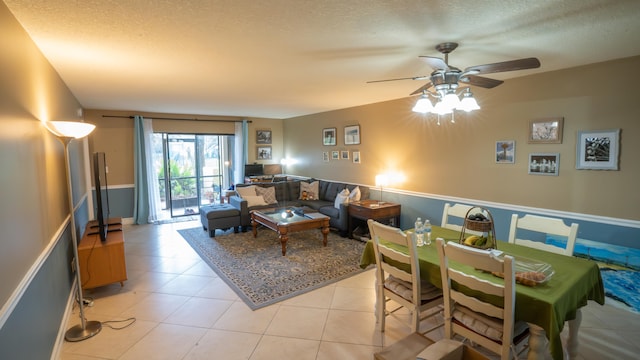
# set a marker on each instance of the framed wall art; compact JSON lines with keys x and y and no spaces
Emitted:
{"x":335,"y":155}
{"x":329,"y":136}
{"x":544,"y":164}
{"x":263,"y":136}
{"x":263,"y":152}
{"x":546,"y":131}
{"x":344,"y":155}
{"x":352,"y":135}
{"x":505,"y":151}
{"x":356,"y":157}
{"x":325,"y":156}
{"x":598,"y":150}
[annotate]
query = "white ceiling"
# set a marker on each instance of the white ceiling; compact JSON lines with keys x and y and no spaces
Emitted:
{"x":284,"y":58}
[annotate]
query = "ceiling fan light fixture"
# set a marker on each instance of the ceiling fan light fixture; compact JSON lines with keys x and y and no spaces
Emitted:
{"x":423,"y":105}
{"x":441,"y":109}
{"x":451,"y":100}
{"x":468,"y":102}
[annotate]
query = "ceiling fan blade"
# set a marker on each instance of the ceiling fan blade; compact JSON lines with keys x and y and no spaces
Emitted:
{"x":481,"y":81}
{"x":405,"y":78}
{"x":435,"y":63}
{"x":422,"y":88}
{"x":512,"y":65}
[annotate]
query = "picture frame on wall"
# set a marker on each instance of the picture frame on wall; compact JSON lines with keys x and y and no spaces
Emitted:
{"x":344,"y":155}
{"x":335,"y":155}
{"x":329,"y":136}
{"x":263,"y":152}
{"x":544,"y":164}
{"x":598,"y":150}
{"x":546,"y":131}
{"x":263,"y":136}
{"x":352,"y":135}
{"x":325,"y":156}
{"x":356,"y":157}
{"x":505,"y":151}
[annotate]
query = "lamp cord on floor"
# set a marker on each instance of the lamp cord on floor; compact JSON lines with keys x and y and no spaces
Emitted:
{"x":131,"y":320}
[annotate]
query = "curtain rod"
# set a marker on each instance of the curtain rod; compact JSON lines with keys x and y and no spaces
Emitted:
{"x":167,"y":118}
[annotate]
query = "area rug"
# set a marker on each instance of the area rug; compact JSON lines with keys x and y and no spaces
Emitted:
{"x":256,"y":270}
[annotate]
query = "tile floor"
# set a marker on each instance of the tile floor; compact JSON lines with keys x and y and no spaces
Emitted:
{"x":184,"y":311}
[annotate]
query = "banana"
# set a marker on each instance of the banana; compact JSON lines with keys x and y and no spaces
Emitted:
{"x":480,"y":242}
{"x":470,"y":240}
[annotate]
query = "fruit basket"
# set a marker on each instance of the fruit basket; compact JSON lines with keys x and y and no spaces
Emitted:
{"x":478,"y":229}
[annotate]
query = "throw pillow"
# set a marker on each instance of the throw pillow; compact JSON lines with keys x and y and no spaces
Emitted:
{"x":341,"y":198}
{"x":355,"y":194}
{"x":309,"y":191}
{"x":254,"y":200}
{"x":268,"y":193}
{"x":246,"y":191}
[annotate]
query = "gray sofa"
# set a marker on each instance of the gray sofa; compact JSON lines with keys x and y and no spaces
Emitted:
{"x":288,"y":193}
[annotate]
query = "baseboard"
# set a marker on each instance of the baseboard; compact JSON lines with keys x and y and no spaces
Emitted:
{"x":64,"y":324}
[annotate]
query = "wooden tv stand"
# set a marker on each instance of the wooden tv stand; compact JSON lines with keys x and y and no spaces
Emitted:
{"x":102,"y":263}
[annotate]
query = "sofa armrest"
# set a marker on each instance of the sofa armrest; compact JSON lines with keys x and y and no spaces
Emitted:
{"x":243,"y":206}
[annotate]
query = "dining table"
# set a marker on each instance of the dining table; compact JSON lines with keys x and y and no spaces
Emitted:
{"x":545,"y":307}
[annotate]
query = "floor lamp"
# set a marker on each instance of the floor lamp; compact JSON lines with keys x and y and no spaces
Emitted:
{"x":66,"y":131}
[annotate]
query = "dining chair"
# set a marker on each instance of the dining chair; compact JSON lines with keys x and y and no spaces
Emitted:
{"x":542,"y":225}
{"x":469,"y":314}
{"x":458,"y":211}
{"x":395,"y":283}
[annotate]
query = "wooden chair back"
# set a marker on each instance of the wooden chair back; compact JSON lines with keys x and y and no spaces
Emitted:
{"x":545,"y":225}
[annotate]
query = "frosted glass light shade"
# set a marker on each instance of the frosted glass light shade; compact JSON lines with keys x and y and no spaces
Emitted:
{"x":70,"y":129}
{"x":423,"y":105}
{"x":468,"y":103}
{"x":451,"y":100}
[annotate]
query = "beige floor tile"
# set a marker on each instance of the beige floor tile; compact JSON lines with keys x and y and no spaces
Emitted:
{"x":366,"y":279}
{"x":114,"y":304}
{"x":188,"y":285}
{"x":110,"y":343}
{"x":357,"y":299}
{"x":201,"y":268}
{"x":175,"y":265}
{"x":298,"y":322}
{"x":279,"y":348}
{"x":598,"y":344}
{"x":200,"y":312}
{"x":319,"y":298}
{"x":165,"y":341}
{"x":228,"y":345}
{"x":217,"y":289}
{"x":239,"y":317}
{"x":333,"y":351}
{"x":148,"y":281}
{"x":352,"y":327}
{"x":155,"y":307}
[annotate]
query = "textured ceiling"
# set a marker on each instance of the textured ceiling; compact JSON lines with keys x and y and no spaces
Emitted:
{"x":284,"y":58}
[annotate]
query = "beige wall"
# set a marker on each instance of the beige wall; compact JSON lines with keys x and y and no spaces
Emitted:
{"x":114,"y":136}
{"x":458,"y":159}
{"x":33,"y":178}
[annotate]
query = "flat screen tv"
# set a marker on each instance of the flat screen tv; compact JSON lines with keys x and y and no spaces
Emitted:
{"x":253,"y":170}
{"x":102,"y":194}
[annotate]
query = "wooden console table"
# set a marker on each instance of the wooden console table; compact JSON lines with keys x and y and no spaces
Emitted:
{"x":384,"y":212}
{"x":102,"y":263}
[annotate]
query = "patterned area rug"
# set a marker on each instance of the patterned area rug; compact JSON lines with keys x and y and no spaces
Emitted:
{"x":256,"y":270}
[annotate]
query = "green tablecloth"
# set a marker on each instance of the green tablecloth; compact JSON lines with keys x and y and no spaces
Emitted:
{"x":548,"y":305}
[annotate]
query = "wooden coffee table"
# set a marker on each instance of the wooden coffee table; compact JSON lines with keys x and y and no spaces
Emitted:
{"x":288,"y":223}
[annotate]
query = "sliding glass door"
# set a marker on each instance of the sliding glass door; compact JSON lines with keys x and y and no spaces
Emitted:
{"x":192,"y":170}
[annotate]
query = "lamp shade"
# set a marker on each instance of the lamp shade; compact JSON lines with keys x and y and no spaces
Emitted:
{"x":468,"y":103}
{"x":70,"y":129}
{"x":423,"y":105}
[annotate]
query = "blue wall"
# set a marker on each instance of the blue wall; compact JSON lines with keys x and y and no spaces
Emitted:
{"x":608,"y":231}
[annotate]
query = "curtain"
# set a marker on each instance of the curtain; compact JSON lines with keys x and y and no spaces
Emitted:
{"x":146,"y":194}
{"x":241,"y":147}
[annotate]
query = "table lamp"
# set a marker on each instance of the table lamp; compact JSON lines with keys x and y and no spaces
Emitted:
{"x":381,"y":181}
{"x":66,"y":131}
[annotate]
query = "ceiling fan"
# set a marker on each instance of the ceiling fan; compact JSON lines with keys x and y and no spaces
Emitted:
{"x":445,"y":81}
